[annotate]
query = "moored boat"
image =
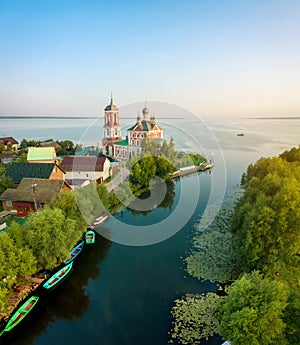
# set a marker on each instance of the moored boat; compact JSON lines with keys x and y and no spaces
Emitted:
{"x":58,"y":276}
{"x":100,"y":220}
{"x":19,"y":315}
{"x":90,"y":237}
{"x":75,"y":252}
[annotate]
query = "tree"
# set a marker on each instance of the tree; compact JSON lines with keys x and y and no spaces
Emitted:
{"x":163,"y":167}
{"x":14,"y":260}
{"x":252,"y":313}
{"x":143,"y":171}
{"x":67,"y":202}
{"x":5,"y":183}
{"x":50,"y":236}
{"x":195,"y":318}
{"x":23,"y":157}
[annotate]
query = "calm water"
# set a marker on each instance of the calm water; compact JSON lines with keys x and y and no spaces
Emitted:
{"x":121,"y":294}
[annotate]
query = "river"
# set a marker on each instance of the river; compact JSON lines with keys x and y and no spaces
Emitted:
{"x":123,"y":294}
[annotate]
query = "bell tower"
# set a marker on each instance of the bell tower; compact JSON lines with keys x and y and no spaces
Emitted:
{"x":111,"y":127}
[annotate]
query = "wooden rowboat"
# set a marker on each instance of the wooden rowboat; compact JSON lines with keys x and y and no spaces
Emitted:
{"x":58,"y":276}
{"x":90,"y":237}
{"x":19,"y":315}
{"x":75,"y":252}
{"x":100,"y":220}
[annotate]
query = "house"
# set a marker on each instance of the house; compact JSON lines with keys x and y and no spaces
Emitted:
{"x":9,"y":142}
{"x":50,"y":171}
{"x":90,"y":151}
{"x":41,"y":155}
{"x":95,"y":169}
{"x":7,"y":156}
{"x":31,"y":195}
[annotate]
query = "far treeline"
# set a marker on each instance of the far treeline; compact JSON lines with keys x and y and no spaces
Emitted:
{"x":254,"y":251}
{"x":44,"y":241}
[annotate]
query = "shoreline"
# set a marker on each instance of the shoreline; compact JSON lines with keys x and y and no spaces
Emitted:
{"x":32,"y":284}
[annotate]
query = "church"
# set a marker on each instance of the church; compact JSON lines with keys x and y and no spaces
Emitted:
{"x":119,"y":148}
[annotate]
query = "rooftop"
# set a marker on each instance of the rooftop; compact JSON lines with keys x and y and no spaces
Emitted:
{"x":79,"y":163}
{"x":122,"y":142}
{"x":44,"y":190}
{"x":8,"y":140}
{"x":41,"y":153}
{"x":17,"y":171}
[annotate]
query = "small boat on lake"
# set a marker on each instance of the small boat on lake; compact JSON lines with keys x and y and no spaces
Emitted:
{"x":100,"y":220}
{"x":90,"y":237}
{"x":58,"y":276}
{"x":75,"y":252}
{"x":19,"y":315}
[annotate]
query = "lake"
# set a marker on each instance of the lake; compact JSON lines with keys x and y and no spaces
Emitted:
{"x":123,"y":294}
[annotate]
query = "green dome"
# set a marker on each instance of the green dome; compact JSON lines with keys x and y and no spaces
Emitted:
{"x":145,"y":110}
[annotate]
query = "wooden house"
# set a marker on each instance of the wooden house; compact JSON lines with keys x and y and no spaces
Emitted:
{"x":50,"y":171}
{"x":9,"y":142}
{"x":31,"y":195}
{"x":94,"y":169}
{"x":41,"y":155}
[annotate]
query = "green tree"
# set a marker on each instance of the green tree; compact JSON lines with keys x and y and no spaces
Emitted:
{"x":67,"y":202}
{"x":252,"y":313}
{"x":22,"y":157}
{"x":50,"y":236}
{"x":14,"y":261}
{"x":5,"y":183}
{"x":164,"y":167}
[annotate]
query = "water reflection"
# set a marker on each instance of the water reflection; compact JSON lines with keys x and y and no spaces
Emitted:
{"x":166,"y":203}
{"x":66,"y":302}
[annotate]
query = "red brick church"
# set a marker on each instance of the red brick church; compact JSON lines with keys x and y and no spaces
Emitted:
{"x":144,"y":127}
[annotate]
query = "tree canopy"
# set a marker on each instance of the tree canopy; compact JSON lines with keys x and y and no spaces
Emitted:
{"x":252,"y":313}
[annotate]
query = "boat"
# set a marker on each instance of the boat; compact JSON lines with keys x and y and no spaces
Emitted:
{"x":19,"y":315}
{"x":100,"y":220}
{"x":58,"y":276}
{"x":75,"y":252}
{"x":90,"y":237}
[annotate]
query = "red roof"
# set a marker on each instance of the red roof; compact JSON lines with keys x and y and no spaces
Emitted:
{"x":7,"y":140}
{"x":83,"y":163}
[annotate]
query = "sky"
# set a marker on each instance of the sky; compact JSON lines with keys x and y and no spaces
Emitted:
{"x":211,"y":57}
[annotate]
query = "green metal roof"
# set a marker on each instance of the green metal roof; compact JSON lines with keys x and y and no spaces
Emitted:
{"x":41,"y":153}
{"x":145,"y":126}
{"x":17,"y":171}
{"x":122,"y":142}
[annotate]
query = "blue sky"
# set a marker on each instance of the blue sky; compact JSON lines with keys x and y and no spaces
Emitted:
{"x":213,"y":57}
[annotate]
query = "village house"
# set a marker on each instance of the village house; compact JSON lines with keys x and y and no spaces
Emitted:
{"x":41,"y":155}
{"x":9,"y":142}
{"x":81,"y":169}
{"x":31,"y":195}
{"x":50,"y":171}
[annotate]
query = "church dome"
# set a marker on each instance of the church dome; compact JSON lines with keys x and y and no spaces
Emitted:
{"x":145,"y":110}
{"x":111,"y":106}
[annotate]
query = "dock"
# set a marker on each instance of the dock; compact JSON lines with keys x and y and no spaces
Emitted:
{"x":192,"y":169}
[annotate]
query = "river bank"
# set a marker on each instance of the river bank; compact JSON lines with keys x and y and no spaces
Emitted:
{"x":20,"y":293}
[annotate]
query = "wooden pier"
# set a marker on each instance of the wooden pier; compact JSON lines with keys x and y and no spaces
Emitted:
{"x":192,"y":169}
